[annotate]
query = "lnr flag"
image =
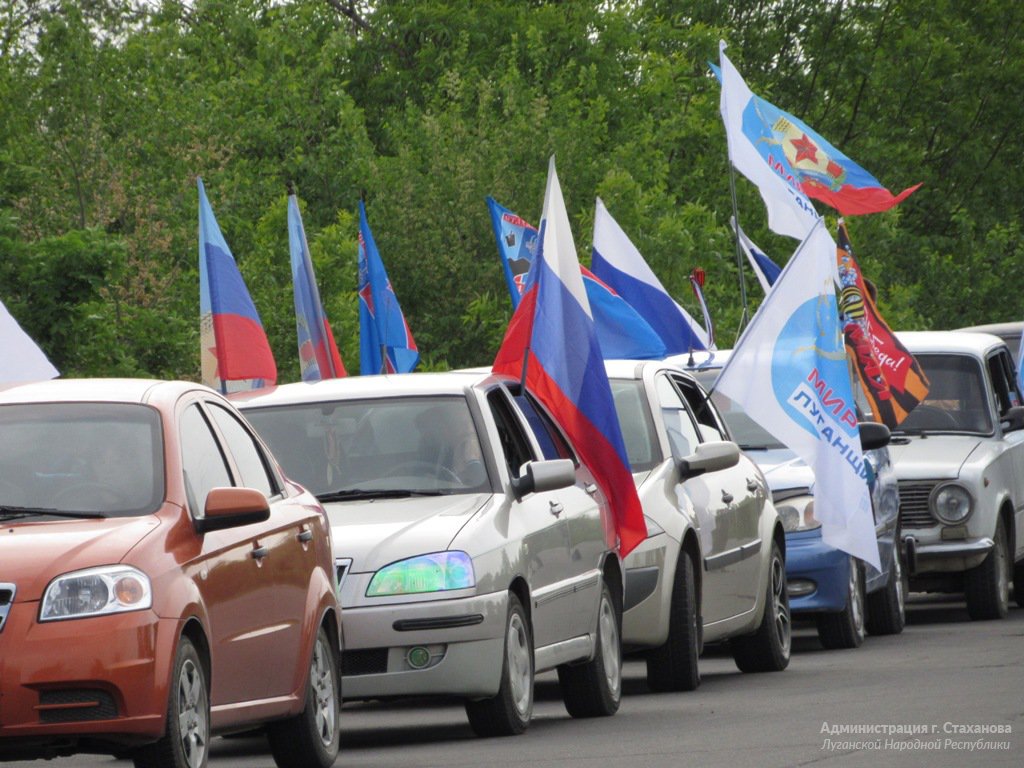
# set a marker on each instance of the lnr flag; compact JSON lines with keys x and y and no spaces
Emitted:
{"x":891,"y":378}
{"x":789,"y":372}
{"x":20,"y":358}
{"x":552,"y":334}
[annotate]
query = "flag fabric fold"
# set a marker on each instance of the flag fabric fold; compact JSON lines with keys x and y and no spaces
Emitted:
{"x":766,"y":270}
{"x":318,"y":354}
{"x":21,"y":359}
{"x":386,"y":344}
{"x":789,"y":372}
{"x":798,"y":154}
{"x":552,"y":333}
{"x":621,"y":330}
{"x":890,"y":376}
{"x":235,"y":353}
{"x":617,"y":262}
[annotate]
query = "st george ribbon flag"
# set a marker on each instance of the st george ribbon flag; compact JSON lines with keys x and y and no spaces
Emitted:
{"x":797,"y":153}
{"x":618,"y":262}
{"x":552,"y":334}
{"x":766,"y":270}
{"x":318,"y":354}
{"x":235,"y":353}
{"x":790,"y":373}
{"x":621,"y":330}
{"x":21,"y":359}
{"x":386,"y":344}
{"x":890,"y":376}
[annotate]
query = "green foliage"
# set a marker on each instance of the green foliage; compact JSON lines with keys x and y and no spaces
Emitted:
{"x":112,"y":109}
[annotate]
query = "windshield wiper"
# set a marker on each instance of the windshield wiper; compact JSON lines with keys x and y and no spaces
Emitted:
{"x":356,"y":494}
{"x":8,"y":512}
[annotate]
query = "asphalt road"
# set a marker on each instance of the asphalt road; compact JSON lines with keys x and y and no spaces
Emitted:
{"x":908,"y":700}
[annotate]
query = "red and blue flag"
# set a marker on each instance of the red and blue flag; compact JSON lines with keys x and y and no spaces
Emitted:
{"x":318,"y":354}
{"x":553,"y":334}
{"x":386,"y":344}
{"x":233,"y":343}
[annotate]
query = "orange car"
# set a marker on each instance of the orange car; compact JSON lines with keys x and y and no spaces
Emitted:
{"x":160,"y":580}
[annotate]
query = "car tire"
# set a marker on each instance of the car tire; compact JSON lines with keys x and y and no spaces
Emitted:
{"x":886,"y":608}
{"x":1018,"y":584}
{"x":846,"y":628}
{"x":674,"y":666}
{"x":186,"y":739}
{"x":594,"y":688}
{"x":769,"y":648}
{"x":987,"y":586}
{"x":509,"y":711}
{"x":311,"y":738}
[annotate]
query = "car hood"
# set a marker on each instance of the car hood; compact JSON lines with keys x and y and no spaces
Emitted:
{"x":376,"y":532}
{"x":33,"y":553}
{"x":783,"y":469}
{"x":933,"y":456}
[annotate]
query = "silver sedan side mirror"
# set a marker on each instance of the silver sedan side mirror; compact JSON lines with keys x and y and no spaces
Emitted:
{"x":709,"y":457}
{"x":537,"y":476}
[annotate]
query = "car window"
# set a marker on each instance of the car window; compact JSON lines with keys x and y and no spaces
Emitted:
{"x":552,"y":444}
{"x":702,"y":408}
{"x":105,"y":458}
{"x":514,"y":444}
{"x":957,"y":399}
{"x":201,"y":459}
{"x":1004,"y":385}
{"x":247,"y":454}
{"x":636,"y":423}
{"x":682,"y":431}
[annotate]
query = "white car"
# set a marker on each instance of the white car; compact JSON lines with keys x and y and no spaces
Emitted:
{"x":959,"y":459}
{"x":713,"y":565}
{"x":473,"y":549}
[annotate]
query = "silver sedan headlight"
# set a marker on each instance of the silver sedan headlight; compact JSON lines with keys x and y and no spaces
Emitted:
{"x":96,"y":592}
{"x":436,"y":572}
{"x":797,"y":513}
{"x":952,"y":503}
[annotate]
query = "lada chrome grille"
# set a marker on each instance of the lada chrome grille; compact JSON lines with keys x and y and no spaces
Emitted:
{"x":914,"y":509}
{"x":6,"y":599}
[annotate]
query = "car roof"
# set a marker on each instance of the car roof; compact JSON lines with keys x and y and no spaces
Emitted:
{"x":365,"y":387}
{"x":95,"y":390}
{"x":957,"y":342}
{"x":1010,"y":328}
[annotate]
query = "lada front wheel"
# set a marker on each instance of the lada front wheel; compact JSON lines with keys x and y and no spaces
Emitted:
{"x":987,"y":586}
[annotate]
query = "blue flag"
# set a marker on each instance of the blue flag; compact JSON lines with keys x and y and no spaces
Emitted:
{"x":386,"y":344}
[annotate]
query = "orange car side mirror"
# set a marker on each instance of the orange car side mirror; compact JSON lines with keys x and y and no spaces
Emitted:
{"x":231,"y":508}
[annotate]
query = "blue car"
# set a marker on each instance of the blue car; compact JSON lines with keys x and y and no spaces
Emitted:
{"x":845,"y":596}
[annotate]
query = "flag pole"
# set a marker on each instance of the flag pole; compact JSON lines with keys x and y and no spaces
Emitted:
{"x":745,"y":317}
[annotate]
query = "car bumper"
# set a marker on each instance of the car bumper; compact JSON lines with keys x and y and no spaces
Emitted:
{"x":462,"y":641}
{"x":101,"y":680}
{"x":930,"y":554}
{"x":817,"y":575}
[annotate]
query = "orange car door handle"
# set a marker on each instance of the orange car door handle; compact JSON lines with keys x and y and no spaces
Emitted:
{"x":305,"y":535}
{"x":260,"y":552}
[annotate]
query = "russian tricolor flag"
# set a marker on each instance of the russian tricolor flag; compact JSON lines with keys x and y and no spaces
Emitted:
{"x":234,"y":345}
{"x":554,"y":329}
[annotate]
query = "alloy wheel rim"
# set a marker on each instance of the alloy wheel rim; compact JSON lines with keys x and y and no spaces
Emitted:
{"x":520,"y":665}
{"x":780,"y":606}
{"x":856,"y":601}
{"x":608,"y":631}
{"x":321,"y":678}
{"x":193,"y":724}
{"x":1002,"y":575}
{"x":897,"y":573}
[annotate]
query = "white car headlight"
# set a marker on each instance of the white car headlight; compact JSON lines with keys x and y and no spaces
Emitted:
{"x":96,"y":592}
{"x":436,"y":572}
{"x":797,"y":513}
{"x":952,"y":503}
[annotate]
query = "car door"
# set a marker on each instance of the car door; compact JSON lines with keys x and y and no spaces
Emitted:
{"x":537,"y":522}
{"x":1006,"y":394}
{"x":285,"y":551}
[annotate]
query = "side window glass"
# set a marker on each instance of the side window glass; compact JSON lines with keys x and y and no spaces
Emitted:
{"x":514,"y":445}
{"x":201,"y":459}
{"x":703,"y":409}
{"x":247,"y":455}
{"x":552,"y":443}
{"x":682,"y":432}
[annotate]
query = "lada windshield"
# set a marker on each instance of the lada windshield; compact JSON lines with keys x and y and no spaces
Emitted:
{"x":80,"y":460}
{"x":387,"y":447}
{"x":957,"y":399}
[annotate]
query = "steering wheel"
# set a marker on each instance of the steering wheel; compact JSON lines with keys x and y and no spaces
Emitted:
{"x":89,"y":495}
{"x":425,"y":469}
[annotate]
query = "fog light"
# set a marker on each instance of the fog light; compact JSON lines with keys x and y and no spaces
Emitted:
{"x":800,"y":587}
{"x":418,"y":657}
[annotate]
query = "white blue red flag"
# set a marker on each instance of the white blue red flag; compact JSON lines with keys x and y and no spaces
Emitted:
{"x":798,"y":154}
{"x":552,"y":333}
{"x":618,"y":262}
{"x":386,"y":344}
{"x":21,"y":359}
{"x":790,"y":373}
{"x":621,"y":330}
{"x":318,"y":354}
{"x":766,"y":270}
{"x":235,"y":353}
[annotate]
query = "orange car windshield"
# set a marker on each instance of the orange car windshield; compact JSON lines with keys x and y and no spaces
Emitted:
{"x":98,"y":459}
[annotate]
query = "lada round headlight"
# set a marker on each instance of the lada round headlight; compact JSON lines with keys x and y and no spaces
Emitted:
{"x":952,"y":503}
